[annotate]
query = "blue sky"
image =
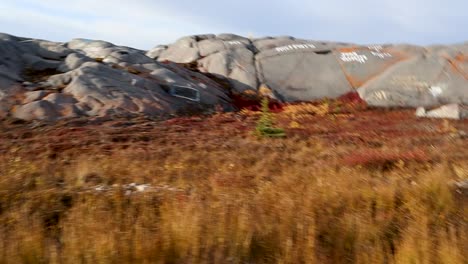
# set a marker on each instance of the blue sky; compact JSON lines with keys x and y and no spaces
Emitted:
{"x":144,"y":23}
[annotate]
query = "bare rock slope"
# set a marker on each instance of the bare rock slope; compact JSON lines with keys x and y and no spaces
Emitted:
{"x":47,"y":80}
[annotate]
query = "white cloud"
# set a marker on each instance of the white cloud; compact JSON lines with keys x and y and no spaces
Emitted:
{"x":145,"y":23}
{"x":140,"y":25}
{"x":411,"y":16}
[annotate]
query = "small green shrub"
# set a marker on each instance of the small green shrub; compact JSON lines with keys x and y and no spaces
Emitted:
{"x":264,"y":126}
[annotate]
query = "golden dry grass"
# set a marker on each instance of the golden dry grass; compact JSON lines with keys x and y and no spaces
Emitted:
{"x":238,"y":200}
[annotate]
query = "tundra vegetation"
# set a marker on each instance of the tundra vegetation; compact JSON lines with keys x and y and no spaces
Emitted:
{"x":347,"y":185}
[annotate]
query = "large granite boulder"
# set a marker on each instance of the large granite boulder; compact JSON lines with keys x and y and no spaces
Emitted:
{"x":422,"y":80}
{"x":184,"y":50}
{"x":47,"y":80}
{"x":300,"y":70}
{"x":98,"y":89}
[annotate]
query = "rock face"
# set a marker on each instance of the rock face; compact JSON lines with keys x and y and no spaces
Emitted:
{"x":301,"y":70}
{"x":49,"y":81}
{"x":46,"y":80}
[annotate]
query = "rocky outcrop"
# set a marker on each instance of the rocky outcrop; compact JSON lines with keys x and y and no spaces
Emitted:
{"x":301,"y":70}
{"x":47,"y":80}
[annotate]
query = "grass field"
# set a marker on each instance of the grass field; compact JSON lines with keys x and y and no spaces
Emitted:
{"x":344,"y":186}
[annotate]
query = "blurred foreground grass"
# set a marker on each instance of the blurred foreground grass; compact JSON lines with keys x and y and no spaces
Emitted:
{"x":268,"y":201}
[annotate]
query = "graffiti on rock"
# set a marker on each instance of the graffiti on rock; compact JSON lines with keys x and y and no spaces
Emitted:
{"x":353,"y":56}
{"x":381,"y":55}
{"x":234,"y":42}
{"x":437,"y":90}
{"x":376,"y":50}
{"x":295,"y":47}
{"x":380,"y":95}
{"x":411,"y":82}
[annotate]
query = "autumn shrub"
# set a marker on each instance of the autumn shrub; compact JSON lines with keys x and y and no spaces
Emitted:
{"x":218,"y":195}
{"x":265,"y":202}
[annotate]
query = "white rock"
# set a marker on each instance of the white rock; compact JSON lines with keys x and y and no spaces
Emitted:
{"x":420,"y":112}
{"x":450,"y":111}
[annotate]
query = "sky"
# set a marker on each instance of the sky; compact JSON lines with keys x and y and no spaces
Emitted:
{"x":144,"y":24}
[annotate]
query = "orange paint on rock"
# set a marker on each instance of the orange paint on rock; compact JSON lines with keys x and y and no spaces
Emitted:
{"x":349,"y":49}
{"x":461,"y":58}
{"x":358,"y":82}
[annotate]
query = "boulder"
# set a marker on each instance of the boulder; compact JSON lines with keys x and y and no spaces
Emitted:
{"x":36,"y":63}
{"x":34,"y":96}
{"x":6,"y":92}
{"x":73,"y":61}
{"x":129,"y":56}
{"x":184,"y":50}
{"x":271,"y":43}
{"x":301,"y":73}
{"x":237,"y":65}
{"x":419,"y":81}
{"x":155,"y":52}
{"x":44,"y":49}
{"x":39,"y":110}
{"x":210,"y":46}
{"x":98,"y":78}
{"x":92,"y":48}
{"x":11,"y":64}
{"x":361,"y":64}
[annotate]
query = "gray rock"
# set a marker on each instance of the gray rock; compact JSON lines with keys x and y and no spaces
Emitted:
{"x":185,"y":50}
{"x":57,"y":82}
{"x":237,"y":65}
{"x":151,"y":66}
{"x":92,"y":48}
{"x":99,"y":89}
{"x":300,"y":74}
{"x":8,"y":95}
{"x":73,"y":61}
{"x":60,"y":99}
{"x":39,"y":64}
{"x":271,"y":43}
{"x":228,"y":37}
{"x":101,"y":79}
{"x":128,"y":56}
{"x":40,"y":110}
{"x":165,"y":75}
{"x":210,"y":46}
{"x":155,"y":52}
{"x":11,"y":64}
{"x":361,"y":64}
{"x":7,"y":37}
{"x":6,"y":73}
{"x":45,"y":49}
{"x":179,"y":54}
{"x":34,"y":96}
{"x":415,"y":82}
